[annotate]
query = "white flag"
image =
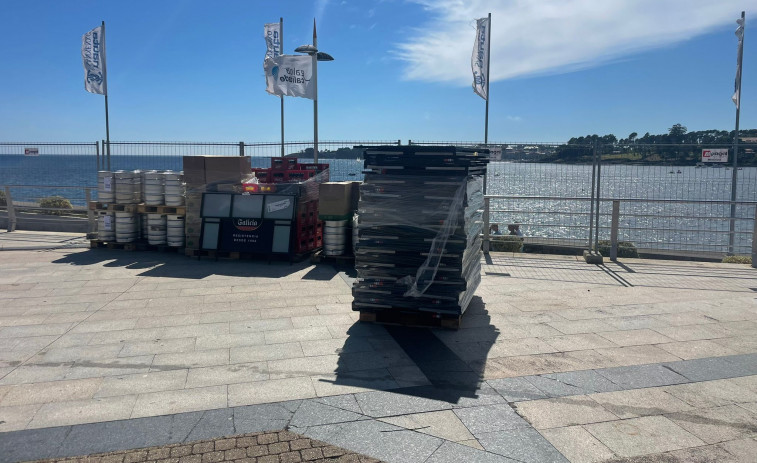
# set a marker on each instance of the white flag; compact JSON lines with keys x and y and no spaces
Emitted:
{"x":290,"y":75}
{"x":480,"y":57}
{"x":93,"y":57}
{"x":736,"y":98}
{"x":272,"y":35}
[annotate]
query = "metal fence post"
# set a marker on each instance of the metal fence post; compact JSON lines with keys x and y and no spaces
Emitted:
{"x":241,"y":149}
{"x":90,"y":212}
{"x":593,"y":185}
{"x":97,"y":154}
{"x":486,"y":224}
{"x":108,"y":148}
{"x":754,"y":240}
{"x":614,"y":230}
{"x":11,"y":210}
{"x":599,"y":199}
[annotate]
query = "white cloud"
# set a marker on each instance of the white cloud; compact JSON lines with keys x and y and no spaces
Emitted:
{"x":514,"y":118}
{"x":320,"y":8}
{"x":551,"y":36}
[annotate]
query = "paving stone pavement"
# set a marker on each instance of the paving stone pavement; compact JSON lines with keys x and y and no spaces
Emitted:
{"x":556,"y":360}
{"x":263,"y":447}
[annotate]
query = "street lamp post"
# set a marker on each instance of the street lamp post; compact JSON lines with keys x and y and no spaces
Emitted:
{"x":312,"y":50}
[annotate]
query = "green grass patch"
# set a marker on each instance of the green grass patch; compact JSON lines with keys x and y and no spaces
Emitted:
{"x":625,"y":248}
{"x":506,"y":243}
{"x":737,"y":260}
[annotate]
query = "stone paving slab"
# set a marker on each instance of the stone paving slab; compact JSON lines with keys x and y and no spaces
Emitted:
{"x":176,"y":349}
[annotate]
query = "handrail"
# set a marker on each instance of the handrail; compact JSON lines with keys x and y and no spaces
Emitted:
{"x":615,"y":218}
{"x":631,"y":200}
{"x":11,"y":207}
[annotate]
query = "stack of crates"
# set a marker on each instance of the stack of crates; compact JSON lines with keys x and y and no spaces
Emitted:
{"x":289,"y":177}
{"x":419,"y":227}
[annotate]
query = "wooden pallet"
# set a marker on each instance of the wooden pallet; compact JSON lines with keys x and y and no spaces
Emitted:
{"x":110,"y":207}
{"x":413,"y":319}
{"x":319,"y":257}
{"x":133,"y":246}
{"x":173,"y":210}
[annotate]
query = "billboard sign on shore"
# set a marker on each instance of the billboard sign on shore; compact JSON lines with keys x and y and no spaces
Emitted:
{"x":715,"y":155}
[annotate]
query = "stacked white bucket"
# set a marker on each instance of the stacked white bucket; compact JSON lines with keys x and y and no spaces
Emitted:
{"x":336,"y":236}
{"x":128,"y":191}
{"x":106,"y":223}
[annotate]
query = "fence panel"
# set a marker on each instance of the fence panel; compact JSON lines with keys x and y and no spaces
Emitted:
{"x":35,"y":165}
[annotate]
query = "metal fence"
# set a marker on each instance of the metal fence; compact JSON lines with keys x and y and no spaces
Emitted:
{"x":666,"y":203}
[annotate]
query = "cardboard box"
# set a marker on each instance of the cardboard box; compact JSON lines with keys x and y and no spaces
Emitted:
{"x":194,"y":170}
{"x":193,"y":226}
{"x":336,"y":200}
{"x":226,"y":169}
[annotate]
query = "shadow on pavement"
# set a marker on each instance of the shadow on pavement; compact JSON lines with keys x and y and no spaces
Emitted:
{"x":451,"y":377}
{"x":171,"y":265}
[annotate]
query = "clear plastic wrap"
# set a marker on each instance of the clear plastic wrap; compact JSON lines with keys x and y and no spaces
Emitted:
{"x":419,"y":241}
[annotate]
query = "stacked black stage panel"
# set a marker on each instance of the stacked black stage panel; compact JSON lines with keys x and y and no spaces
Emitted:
{"x":420,"y":221}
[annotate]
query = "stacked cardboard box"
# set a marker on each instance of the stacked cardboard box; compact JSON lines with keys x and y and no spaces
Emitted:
{"x":419,"y":244}
{"x":208,"y":173}
{"x":338,"y":200}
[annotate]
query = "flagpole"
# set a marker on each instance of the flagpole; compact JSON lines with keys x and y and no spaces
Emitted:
{"x":315,"y":100}
{"x":735,"y":174}
{"x":488,"y":60}
{"x":105,"y":86}
{"x":281,"y":51}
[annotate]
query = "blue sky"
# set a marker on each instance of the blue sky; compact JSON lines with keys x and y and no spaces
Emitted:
{"x":192,"y":70}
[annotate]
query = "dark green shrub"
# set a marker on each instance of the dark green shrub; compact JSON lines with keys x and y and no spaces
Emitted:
{"x":506,"y":243}
{"x":56,"y":202}
{"x":625,"y":248}
{"x":2,"y":198}
{"x":737,"y":259}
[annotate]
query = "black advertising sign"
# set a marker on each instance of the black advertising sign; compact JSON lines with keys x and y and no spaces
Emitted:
{"x":246,"y":235}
